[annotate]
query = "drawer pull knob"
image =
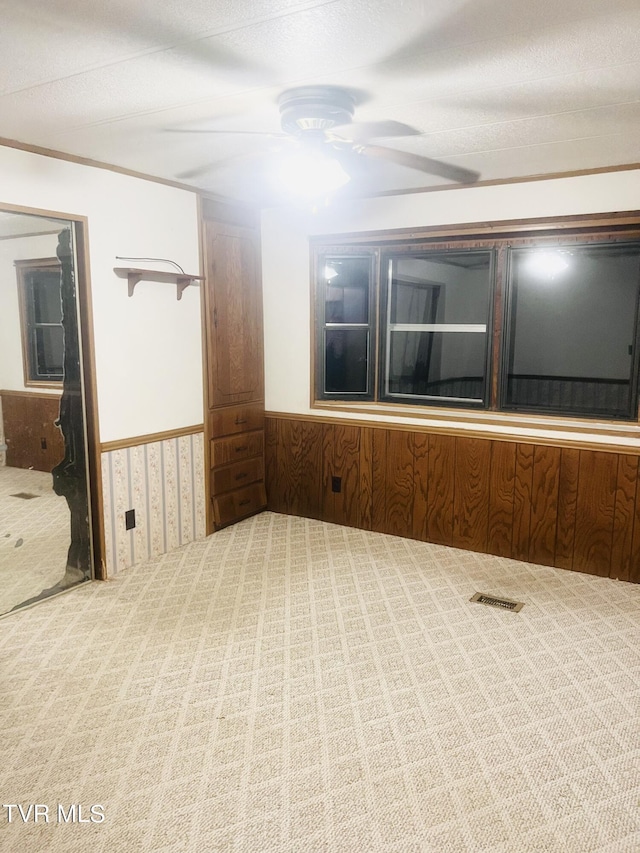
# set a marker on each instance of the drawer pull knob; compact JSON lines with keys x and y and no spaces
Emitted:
{"x":241,"y":421}
{"x":244,"y":502}
{"x":241,"y":449}
{"x":241,"y":476}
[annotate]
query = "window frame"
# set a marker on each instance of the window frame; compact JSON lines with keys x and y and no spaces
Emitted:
{"x":500,"y":236}
{"x":387,"y":257}
{"x":320,"y":327}
{"x":28,"y":325}
{"x":506,"y":326}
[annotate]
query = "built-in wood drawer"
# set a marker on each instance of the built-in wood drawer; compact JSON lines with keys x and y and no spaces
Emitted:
{"x":236,"y":448}
{"x":237,"y":475}
{"x":235,"y":505}
{"x":236,"y":419}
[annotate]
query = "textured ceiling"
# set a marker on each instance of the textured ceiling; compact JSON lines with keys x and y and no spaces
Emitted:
{"x":507,"y":88}
{"x":14,"y":225}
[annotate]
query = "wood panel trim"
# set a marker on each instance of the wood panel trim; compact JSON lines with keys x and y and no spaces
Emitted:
{"x":99,"y":164}
{"x":31,"y":438}
{"x":92,"y":421}
{"x":7,"y":142}
{"x":150,"y":438}
{"x":55,"y":394}
{"x":204,"y":332}
{"x":27,"y":263}
{"x":629,"y":219}
{"x":470,"y":432}
{"x":54,"y":154}
{"x":619,"y":429}
{"x":95,"y":164}
{"x":39,"y":211}
{"x":573,"y":509}
{"x":216,"y":209}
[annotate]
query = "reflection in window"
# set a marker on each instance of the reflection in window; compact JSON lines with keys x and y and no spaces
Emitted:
{"x":437,"y":322}
{"x":41,"y":318}
{"x":571,"y":336}
{"x":346,"y":363}
{"x":347,"y":291}
{"x":346,"y":326}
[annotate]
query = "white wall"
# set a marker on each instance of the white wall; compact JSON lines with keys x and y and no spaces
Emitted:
{"x":17,"y":249}
{"x":285,"y":246}
{"x":148,"y":348}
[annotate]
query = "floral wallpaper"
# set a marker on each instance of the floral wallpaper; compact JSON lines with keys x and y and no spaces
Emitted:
{"x":164,"y":483}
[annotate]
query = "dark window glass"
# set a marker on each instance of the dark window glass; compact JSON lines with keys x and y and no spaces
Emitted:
{"x":572,"y":330}
{"x":433,"y":364}
{"x":346,"y":361}
{"x":346,"y":290}
{"x":414,"y":302}
{"x":345,"y":326}
{"x":45,"y":294}
{"x":49,"y":351}
{"x":41,"y":317}
{"x":437,"y":326}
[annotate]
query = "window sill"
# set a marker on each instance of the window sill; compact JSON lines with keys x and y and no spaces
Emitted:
{"x":583,"y":433}
{"x":46,"y":391}
{"x":54,"y":386}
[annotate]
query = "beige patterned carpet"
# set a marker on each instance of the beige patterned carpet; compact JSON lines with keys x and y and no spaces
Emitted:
{"x":289,"y":686}
{"x":34,"y":536}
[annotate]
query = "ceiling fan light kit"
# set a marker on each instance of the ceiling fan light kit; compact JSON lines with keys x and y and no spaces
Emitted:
{"x":308,"y":174}
{"x":318,"y":121}
{"x":315,"y":108}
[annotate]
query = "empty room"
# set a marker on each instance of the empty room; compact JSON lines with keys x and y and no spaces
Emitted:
{"x":320,"y":427}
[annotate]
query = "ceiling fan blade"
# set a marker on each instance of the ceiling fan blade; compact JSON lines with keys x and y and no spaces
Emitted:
{"x":468,"y":26}
{"x":195,"y":173}
{"x":209,"y":51}
{"x":422,"y":164}
{"x":214,"y":165}
{"x":361,"y":131}
{"x":264,"y":133}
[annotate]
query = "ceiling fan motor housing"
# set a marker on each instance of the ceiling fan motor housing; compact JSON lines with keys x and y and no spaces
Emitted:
{"x":315,"y":108}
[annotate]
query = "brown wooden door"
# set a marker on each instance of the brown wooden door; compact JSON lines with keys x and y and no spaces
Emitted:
{"x":234,"y":321}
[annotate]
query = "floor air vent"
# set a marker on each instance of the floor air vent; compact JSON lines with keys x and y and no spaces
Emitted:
{"x":504,"y":603}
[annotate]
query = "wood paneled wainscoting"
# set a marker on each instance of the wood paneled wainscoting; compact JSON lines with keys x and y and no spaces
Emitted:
{"x":572,"y":508}
{"x":33,"y":440}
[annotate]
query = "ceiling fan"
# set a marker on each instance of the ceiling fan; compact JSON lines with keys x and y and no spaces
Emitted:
{"x":319,"y":120}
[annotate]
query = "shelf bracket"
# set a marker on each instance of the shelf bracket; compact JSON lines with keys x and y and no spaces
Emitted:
{"x":133,"y":278}
{"x":181,"y":280}
{"x":182,"y":283}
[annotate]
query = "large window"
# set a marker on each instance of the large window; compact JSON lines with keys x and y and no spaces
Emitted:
{"x":544,"y":324}
{"x":41,"y":319}
{"x":436,"y":309}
